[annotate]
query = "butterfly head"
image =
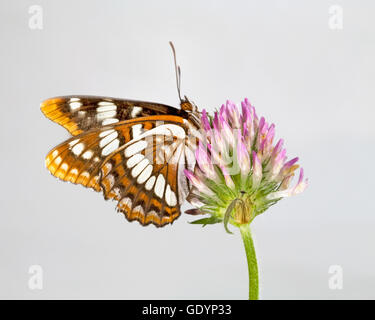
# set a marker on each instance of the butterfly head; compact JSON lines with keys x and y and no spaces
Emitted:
{"x":186,"y":105}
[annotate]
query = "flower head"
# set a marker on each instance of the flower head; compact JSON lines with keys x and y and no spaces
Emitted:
{"x":240,"y":171}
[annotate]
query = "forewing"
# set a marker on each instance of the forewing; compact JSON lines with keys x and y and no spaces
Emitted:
{"x":82,"y":113}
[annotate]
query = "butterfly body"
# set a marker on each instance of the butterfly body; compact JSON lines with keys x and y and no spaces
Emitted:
{"x":132,"y":151}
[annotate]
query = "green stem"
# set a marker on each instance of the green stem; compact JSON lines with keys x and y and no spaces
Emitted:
{"x":251,"y":262}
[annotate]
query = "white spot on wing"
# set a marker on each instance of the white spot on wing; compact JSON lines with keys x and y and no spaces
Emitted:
{"x":170,"y":196}
{"x":116,"y":190}
{"x":139,"y":167}
{"x":107,"y":166}
{"x":72,"y":143}
{"x":153,"y":213}
{"x":134,"y":160}
{"x":146,"y":173}
{"x":136,"y":130}
{"x":105,"y":133}
{"x":106,"y":106}
{"x":111,"y":147}
{"x":159,"y":186}
{"x":138,"y":209}
{"x":150,"y":183}
{"x":111,"y":180}
{"x":135,"y":148}
{"x":75,"y":105}
{"x":126,"y":202}
{"x":105,"y":115}
{"x":109,"y":121}
{"x":85,"y":174}
{"x":136,"y":111}
{"x":107,"y":139}
{"x":104,"y":103}
{"x":78,"y":148}
{"x":88,"y":155}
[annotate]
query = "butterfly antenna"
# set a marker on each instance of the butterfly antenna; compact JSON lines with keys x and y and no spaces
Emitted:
{"x":177,"y":70}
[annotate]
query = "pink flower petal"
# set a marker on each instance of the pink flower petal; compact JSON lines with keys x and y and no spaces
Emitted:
{"x":301,"y":184}
{"x":257,"y":170}
{"x":277,"y":164}
{"x":233,"y":114}
{"x":205,"y":122}
{"x":204,"y":161}
{"x":228,"y":180}
{"x":242,"y":155}
{"x":226,"y":131}
{"x":198,"y":183}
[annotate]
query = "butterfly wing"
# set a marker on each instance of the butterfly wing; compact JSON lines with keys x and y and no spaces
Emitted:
{"x":78,"y":159}
{"x":138,"y":162}
{"x":81,"y":113}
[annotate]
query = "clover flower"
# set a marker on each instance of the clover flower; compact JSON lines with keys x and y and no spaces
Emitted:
{"x":240,"y":173}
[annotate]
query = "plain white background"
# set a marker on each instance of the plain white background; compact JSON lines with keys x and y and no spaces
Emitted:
{"x":316,"y":84}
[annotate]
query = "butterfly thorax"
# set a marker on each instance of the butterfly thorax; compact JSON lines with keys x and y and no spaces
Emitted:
{"x":186,"y":105}
{"x":191,"y":110}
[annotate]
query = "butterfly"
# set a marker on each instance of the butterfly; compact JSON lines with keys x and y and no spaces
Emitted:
{"x":134,"y":152}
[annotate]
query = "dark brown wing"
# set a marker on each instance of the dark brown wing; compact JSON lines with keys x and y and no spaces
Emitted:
{"x":78,"y":114}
